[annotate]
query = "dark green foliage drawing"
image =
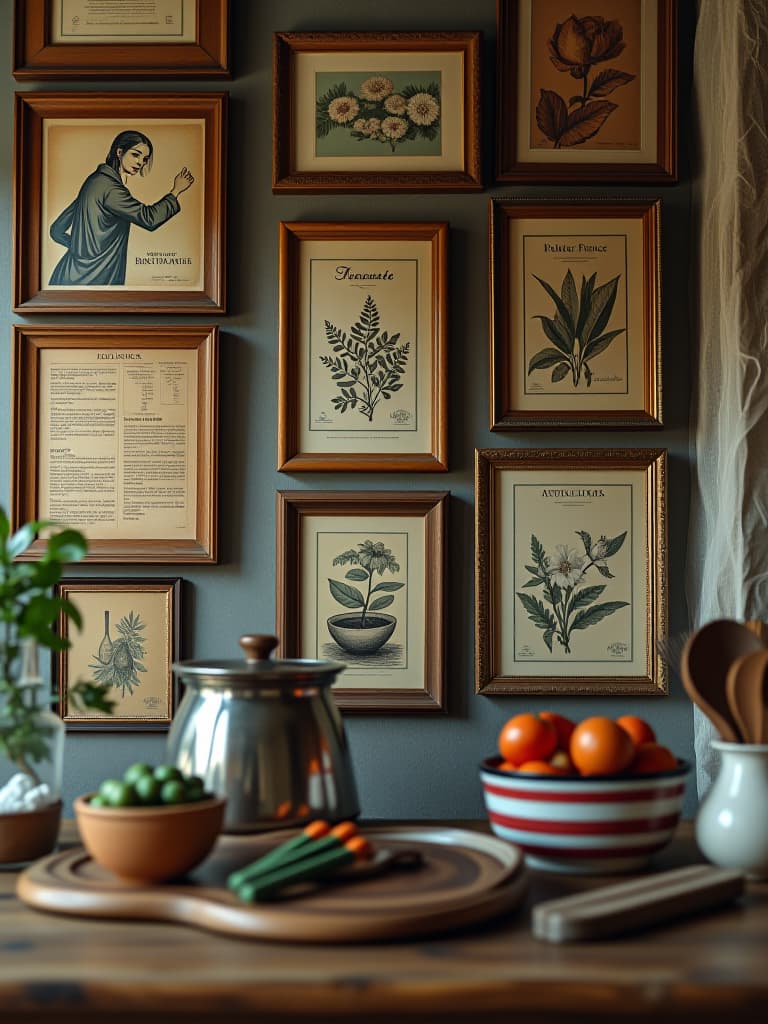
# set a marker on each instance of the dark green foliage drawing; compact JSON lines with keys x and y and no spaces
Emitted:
{"x":372,"y":557}
{"x":118,"y":663}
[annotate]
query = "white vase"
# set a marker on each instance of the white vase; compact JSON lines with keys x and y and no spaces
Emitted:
{"x":732,"y":822}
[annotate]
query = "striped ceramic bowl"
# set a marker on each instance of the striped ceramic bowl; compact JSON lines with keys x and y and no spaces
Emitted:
{"x":584,"y":825}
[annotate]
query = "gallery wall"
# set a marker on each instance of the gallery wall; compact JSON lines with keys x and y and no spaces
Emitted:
{"x":408,"y":764}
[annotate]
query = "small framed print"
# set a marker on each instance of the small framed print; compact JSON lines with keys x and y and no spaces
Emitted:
{"x":376,"y":112}
{"x":571,"y":571}
{"x":87,"y":39}
{"x":119,"y":202}
{"x":117,"y":436}
{"x":129,"y":641}
{"x":587,"y":97}
{"x":362,"y":382}
{"x":575,"y":313}
{"x":361,"y":581}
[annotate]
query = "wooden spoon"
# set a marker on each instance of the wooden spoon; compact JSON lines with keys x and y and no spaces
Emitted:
{"x":744,"y":687}
{"x":704,"y":665}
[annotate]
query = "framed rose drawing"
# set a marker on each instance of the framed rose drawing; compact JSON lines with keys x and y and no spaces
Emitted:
{"x":571,"y":581}
{"x":575,"y":313}
{"x":362,"y":382}
{"x":587,"y":94}
{"x":360,"y":580}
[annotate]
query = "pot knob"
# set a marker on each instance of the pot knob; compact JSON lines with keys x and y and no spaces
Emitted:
{"x":257,"y":646}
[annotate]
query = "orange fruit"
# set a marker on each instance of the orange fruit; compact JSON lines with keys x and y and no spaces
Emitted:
{"x":652,"y":757}
{"x":540,"y":768}
{"x":506,"y":766}
{"x":527,"y":737}
{"x":638,"y":729}
{"x":600,"y":747}
{"x":563,"y":727}
{"x":561,"y":759}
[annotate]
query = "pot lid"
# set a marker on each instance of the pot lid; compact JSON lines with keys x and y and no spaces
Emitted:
{"x":259,"y":667}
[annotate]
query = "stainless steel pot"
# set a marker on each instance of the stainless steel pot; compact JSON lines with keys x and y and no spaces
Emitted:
{"x":267,"y":735}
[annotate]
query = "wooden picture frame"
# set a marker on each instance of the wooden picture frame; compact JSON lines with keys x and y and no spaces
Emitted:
{"x":48,"y":44}
{"x":83,"y":241}
{"x":586,"y":99}
{"x":575,"y":313}
{"x":571,"y":571}
{"x":404,"y":83}
{"x":130,"y":638}
{"x":391,"y":542}
{"x":383,"y":407}
{"x":117,"y":435}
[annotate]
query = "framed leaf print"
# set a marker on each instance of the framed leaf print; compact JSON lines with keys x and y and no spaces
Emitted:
{"x":575,"y":313}
{"x":363,"y":328}
{"x":587,"y":95}
{"x":571,"y":571}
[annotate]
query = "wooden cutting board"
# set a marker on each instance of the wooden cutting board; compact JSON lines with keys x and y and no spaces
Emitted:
{"x":464,"y":878}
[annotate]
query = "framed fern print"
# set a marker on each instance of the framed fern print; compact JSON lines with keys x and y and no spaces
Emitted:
{"x":571,"y":577}
{"x":362,"y":381}
{"x":575,"y":313}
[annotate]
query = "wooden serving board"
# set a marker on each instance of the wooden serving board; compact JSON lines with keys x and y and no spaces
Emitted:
{"x":464,"y":878}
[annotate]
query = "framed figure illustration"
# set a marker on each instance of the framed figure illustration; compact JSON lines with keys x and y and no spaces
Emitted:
{"x":119,"y":202}
{"x":360,"y":580}
{"x":575,"y":313}
{"x":363,"y":327}
{"x":587,"y":93}
{"x":571,"y":581}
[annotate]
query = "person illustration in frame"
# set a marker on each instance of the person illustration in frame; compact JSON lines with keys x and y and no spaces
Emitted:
{"x":94,"y":228}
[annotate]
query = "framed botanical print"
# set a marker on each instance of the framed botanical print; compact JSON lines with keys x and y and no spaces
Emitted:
{"x":119,"y":202}
{"x":376,"y":112}
{"x":363,"y":328}
{"x":575,"y":313}
{"x":129,"y":641}
{"x":571,"y":577}
{"x":361,"y":581}
{"x":589,"y":95}
{"x":117,"y":39}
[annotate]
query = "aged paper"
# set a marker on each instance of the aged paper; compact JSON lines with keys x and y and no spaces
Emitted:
{"x":106,"y":21}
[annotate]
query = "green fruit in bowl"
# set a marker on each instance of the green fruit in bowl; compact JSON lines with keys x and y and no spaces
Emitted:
{"x":167,"y":773}
{"x":148,"y":789}
{"x":173,"y":792}
{"x":143,"y":785}
{"x":136,"y":772}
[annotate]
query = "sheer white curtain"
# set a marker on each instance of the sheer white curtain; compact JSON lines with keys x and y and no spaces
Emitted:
{"x":727,"y":575}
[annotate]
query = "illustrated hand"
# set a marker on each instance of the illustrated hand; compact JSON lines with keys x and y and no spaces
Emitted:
{"x":181,"y":182}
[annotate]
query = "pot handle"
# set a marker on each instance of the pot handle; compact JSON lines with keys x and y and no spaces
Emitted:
{"x":257,"y":646}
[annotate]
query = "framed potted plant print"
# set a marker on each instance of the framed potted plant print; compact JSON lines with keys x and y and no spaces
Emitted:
{"x":129,"y":640}
{"x":96,"y":39}
{"x":362,"y":381}
{"x":571,"y":577}
{"x":376,"y":112}
{"x":588,"y":96}
{"x":575,"y":313}
{"x":119,"y":202}
{"x":117,"y":435}
{"x":361,"y":581}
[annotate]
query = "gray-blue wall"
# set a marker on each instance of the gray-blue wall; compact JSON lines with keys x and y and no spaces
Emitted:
{"x":409,"y":765}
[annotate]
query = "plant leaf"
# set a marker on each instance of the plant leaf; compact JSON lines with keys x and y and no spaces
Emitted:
{"x":569,"y":296}
{"x":350,"y":597}
{"x":546,"y":357}
{"x":380,"y":602}
{"x":587,"y":374}
{"x":586,"y":122}
{"x":586,"y":540}
{"x":388,"y":587}
{"x":356,"y":574}
{"x":591,"y":616}
{"x":605,"y":571}
{"x":559,"y":372}
{"x":548,"y":634}
{"x":562,"y":309}
{"x":551,"y":114}
{"x":603,"y":299}
{"x":608,"y":80}
{"x":598,"y":345}
{"x":537,"y":613}
{"x":536,"y":582}
{"x":556,"y":332}
{"x":587,"y":595}
{"x":615,"y":543}
{"x":587,"y":287}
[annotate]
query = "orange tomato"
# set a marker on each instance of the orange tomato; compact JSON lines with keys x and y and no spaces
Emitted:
{"x":541,"y":768}
{"x":506,"y":766}
{"x":600,"y":747}
{"x":638,"y":729}
{"x":527,"y":737}
{"x":562,"y":759}
{"x":652,"y":757}
{"x":563,"y":727}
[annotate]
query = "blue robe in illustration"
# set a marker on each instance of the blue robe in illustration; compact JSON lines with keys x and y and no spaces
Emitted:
{"x":95,"y":227}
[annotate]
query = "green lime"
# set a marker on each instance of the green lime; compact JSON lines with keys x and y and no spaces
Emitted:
{"x":173,"y":792}
{"x":136,"y":771}
{"x":147,"y":789}
{"x":107,"y":787}
{"x":167,"y":772}
{"x":195,"y":787}
{"x":97,"y":801}
{"x":121,"y":794}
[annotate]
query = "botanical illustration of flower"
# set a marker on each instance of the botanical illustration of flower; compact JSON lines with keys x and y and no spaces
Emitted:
{"x":377,"y":112}
{"x":118,"y":664}
{"x":575,"y":47}
{"x":372,"y":557}
{"x":562,"y":579}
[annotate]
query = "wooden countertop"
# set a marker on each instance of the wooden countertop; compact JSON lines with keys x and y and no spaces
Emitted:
{"x":707,"y":968}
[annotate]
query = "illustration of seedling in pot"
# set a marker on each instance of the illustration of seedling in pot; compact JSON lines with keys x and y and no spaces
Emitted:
{"x":367,"y":631}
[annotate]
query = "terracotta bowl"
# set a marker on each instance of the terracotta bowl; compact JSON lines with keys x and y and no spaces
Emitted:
{"x":149,"y":844}
{"x":584,"y":825}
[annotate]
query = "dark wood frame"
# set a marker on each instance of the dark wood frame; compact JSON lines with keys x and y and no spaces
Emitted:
{"x":68,"y":588}
{"x":504,"y":357}
{"x":510,"y":169}
{"x":31,"y":110}
{"x":489,"y":464}
{"x":285,"y":176}
{"x":28,"y":341}
{"x":37,"y":58}
{"x":290,"y":457}
{"x":292,"y":507}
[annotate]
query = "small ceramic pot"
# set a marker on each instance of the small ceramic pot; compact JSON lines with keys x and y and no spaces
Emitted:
{"x":347,"y":633}
{"x":27,"y":835}
{"x":732,"y":824}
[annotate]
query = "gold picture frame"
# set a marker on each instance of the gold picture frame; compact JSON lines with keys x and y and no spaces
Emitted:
{"x":83,"y":240}
{"x":571,"y":571}
{"x":117,"y":435}
{"x":130,"y":638}
{"x":336,"y":550}
{"x":575,"y":313}
{"x":382,"y":407}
